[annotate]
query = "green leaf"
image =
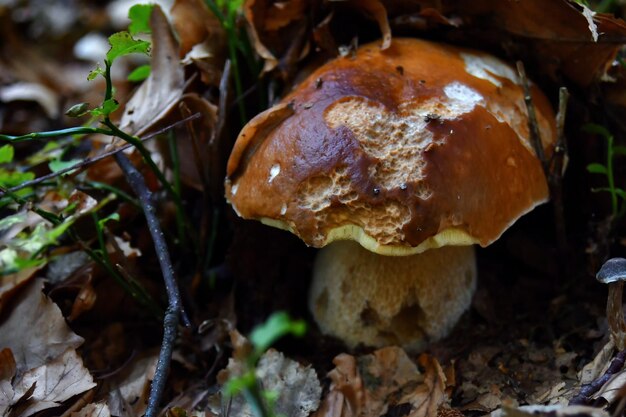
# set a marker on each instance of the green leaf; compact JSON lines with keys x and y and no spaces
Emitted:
{"x":93,"y":74}
{"x":122,"y":43}
{"x":105,"y":220}
{"x":107,"y":107}
{"x":233,"y":6}
{"x":58,"y":165}
{"x":139,"y":74}
{"x":77,"y":110}
{"x":621,"y":193}
{"x":139,"y":16}
{"x":12,"y":220}
{"x":597,"y":168}
{"x":10,"y":179}
{"x":619,"y":150}
{"x":278,"y":325}
{"x":238,"y":384}
{"x":596,"y":129}
{"x":6,"y":154}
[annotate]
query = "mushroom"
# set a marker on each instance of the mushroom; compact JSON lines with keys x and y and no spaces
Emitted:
{"x":613,"y":272}
{"x":394,"y":162}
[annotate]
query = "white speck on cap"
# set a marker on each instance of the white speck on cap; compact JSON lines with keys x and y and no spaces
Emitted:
{"x":274,"y":171}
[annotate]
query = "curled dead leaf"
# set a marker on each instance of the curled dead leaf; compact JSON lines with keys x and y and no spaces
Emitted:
{"x":368,"y":386}
{"x":164,"y":87}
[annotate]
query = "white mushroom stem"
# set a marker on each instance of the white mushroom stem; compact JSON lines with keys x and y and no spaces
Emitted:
{"x":361,"y":297}
{"x":615,"y":314}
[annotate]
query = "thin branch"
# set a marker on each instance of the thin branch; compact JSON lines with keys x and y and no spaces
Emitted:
{"x":587,"y":390}
{"x":54,"y":134}
{"x":88,"y":161}
{"x":173,"y":312}
{"x":555,"y":178}
{"x":553,"y":168}
{"x":533,"y":126}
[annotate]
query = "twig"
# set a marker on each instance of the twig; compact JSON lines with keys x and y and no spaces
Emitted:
{"x":533,"y":126}
{"x":555,"y":177}
{"x":88,"y":161}
{"x":553,"y":168}
{"x":173,"y":312}
{"x":587,"y":390}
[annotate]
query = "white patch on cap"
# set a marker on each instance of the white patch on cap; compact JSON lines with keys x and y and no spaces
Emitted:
{"x":234,"y":188}
{"x":274,"y":171}
{"x":462,"y":98}
{"x":489,"y":68}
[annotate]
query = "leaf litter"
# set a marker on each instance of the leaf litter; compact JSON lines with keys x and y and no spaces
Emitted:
{"x":43,"y":370}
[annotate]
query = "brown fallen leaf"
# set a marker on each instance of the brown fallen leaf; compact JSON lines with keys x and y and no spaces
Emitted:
{"x":429,"y":395}
{"x":550,"y":410}
{"x":559,"y":35}
{"x":54,"y":382}
{"x":99,"y":409}
{"x":277,"y":31}
{"x":368,"y":386}
{"x":376,"y":10}
{"x":12,"y":283}
{"x":160,"y":93}
{"x":195,"y":23}
{"x":129,"y":389}
{"x":35,"y":330}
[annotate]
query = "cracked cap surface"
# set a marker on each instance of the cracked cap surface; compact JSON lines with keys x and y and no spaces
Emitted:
{"x":417,"y":146}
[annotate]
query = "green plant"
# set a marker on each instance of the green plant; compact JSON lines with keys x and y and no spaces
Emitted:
{"x":227,"y":12}
{"x":262,"y":337}
{"x":617,"y":194}
{"x":121,"y":44}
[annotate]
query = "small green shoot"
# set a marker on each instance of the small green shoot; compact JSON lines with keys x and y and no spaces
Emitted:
{"x":262,"y":337}
{"x":618,"y":195}
{"x":139,"y":74}
{"x":227,"y":12}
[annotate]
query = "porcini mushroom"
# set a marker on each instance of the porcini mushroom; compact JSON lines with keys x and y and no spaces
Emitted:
{"x":613,"y":273}
{"x":394,"y":162}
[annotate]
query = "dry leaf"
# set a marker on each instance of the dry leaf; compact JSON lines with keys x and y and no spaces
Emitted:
{"x":430,"y":395}
{"x":550,"y":411}
{"x":369,"y":385}
{"x":12,"y":283}
{"x":278,"y":31}
{"x":39,"y":93}
{"x":556,"y":33}
{"x":100,"y":409}
{"x":36,"y":331}
{"x":131,"y":388}
{"x":613,"y":390}
{"x":297,"y":386}
{"x":195,"y":24}
{"x":593,"y":28}
{"x":598,"y":365}
{"x":54,"y":382}
{"x":154,"y":99}
{"x":376,"y":10}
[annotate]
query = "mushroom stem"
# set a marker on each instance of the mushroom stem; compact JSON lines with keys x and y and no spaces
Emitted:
{"x":615,"y":314}
{"x":361,"y":297}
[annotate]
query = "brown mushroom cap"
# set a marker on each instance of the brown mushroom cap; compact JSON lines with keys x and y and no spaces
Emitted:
{"x":414,"y":147}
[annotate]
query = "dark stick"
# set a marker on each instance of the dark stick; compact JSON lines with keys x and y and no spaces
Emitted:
{"x":553,"y":168}
{"x":533,"y":126}
{"x":173,"y":312}
{"x":587,"y":390}
{"x":555,"y":177}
